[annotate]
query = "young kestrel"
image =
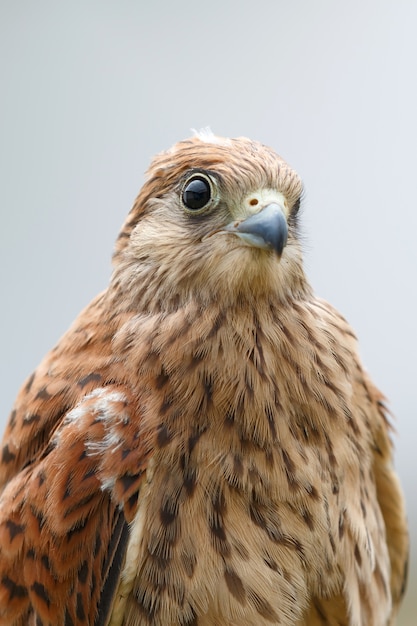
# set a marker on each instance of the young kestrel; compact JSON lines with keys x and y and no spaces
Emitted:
{"x":203,"y":446}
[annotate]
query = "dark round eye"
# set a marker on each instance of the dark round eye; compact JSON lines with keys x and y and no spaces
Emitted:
{"x":196,"y":193}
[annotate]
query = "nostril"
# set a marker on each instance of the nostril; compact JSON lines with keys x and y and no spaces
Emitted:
{"x":253,"y":202}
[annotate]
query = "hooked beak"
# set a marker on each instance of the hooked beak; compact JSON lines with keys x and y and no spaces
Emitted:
{"x":267,"y":229}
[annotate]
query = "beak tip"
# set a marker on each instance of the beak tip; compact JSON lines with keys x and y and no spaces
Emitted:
{"x":266,"y":229}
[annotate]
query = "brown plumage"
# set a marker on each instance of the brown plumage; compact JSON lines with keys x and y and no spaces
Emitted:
{"x":203,"y":446}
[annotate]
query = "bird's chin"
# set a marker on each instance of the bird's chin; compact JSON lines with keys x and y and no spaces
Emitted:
{"x":241,"y":272}
{"x":244,"y":243}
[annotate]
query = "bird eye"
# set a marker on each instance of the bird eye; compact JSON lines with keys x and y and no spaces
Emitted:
{"x":197,"y":193}
{"x":296,"y":207}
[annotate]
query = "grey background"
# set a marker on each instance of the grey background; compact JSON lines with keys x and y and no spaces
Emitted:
{"x":91,"y":90}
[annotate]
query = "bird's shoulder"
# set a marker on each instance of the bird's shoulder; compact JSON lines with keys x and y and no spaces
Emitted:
{"x":89,"y":474}
{"x":81,"y":361}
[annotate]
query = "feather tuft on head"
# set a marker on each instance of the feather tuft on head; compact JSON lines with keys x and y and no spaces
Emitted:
{"x":206,"y":134}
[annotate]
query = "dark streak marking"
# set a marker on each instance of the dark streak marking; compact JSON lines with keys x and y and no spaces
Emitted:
{"x":7,"y":456}
{"x":165,"y":406}
{"x":193,"y":439}
{"x":89,"y":474}
{"x":80,"y":608}
{"x":30,"y":382}
{"x":68,"y":620}
{"x":132,"y":501}
{"x":263,"y":607}
{"x":128,"y":481}
{"x":67,"y":492}
{"x":76,"y":529}
{"x":38,"y":516}
{"x":313,"y":492}
{"x":83,"y":573}
{"x":45,"y":562}
{"x":190,"y":478}
{"x":14,"y":529}
{"x":216,"y":523}
{"x":241,"y":550}
{"x":41,"y":478}
{"x":269,"y":458}
{"x":192,"y":621}
{"x":308,"y":518}
{"x":41,"y":592}
{"x":289,"y":467}
{"x":93,"y":377}
{"x":12,"y":419}
{"x":341,"y":524}
{"x":164,"y":436}
{"x":237,"y":466}
{"x":271,"y":422}
{"x":97,"y":544}
{"x":329,"y":448}
{"x":208,"y":389}
{"x":358,"y":557}
{"x":352,"y":423}
{"x":217,"y":324}
{"x":15,"y":591}
{"x":219,"y":502}
{"x":161,"y":380}
{"x":148,"y":604}
{"x":30,"y":419}
{"x":168,"y":511}
{"x":125,"y":453}
{"x":332,"y":543}
{"x":80,"y":504}
{"x":235,"y":585}
{"x":229,"y":420}
{"x":43,"y":394}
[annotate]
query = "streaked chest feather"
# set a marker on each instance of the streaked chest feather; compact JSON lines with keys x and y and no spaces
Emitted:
{"x":250,"y":477}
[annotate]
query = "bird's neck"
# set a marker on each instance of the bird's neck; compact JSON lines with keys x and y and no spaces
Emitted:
{"x":222,"y":364}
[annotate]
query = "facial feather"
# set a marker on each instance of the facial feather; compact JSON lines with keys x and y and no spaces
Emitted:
{"x":166,"y":256}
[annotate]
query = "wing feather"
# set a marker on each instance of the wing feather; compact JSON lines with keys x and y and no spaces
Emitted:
{"x":63,"y":528}
{"x":389,"y":496}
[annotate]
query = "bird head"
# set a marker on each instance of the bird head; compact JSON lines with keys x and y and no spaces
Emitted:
{"x":216,"y":220}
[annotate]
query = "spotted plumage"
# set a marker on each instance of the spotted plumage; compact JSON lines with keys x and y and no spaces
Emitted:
{"x":203,"y":446}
